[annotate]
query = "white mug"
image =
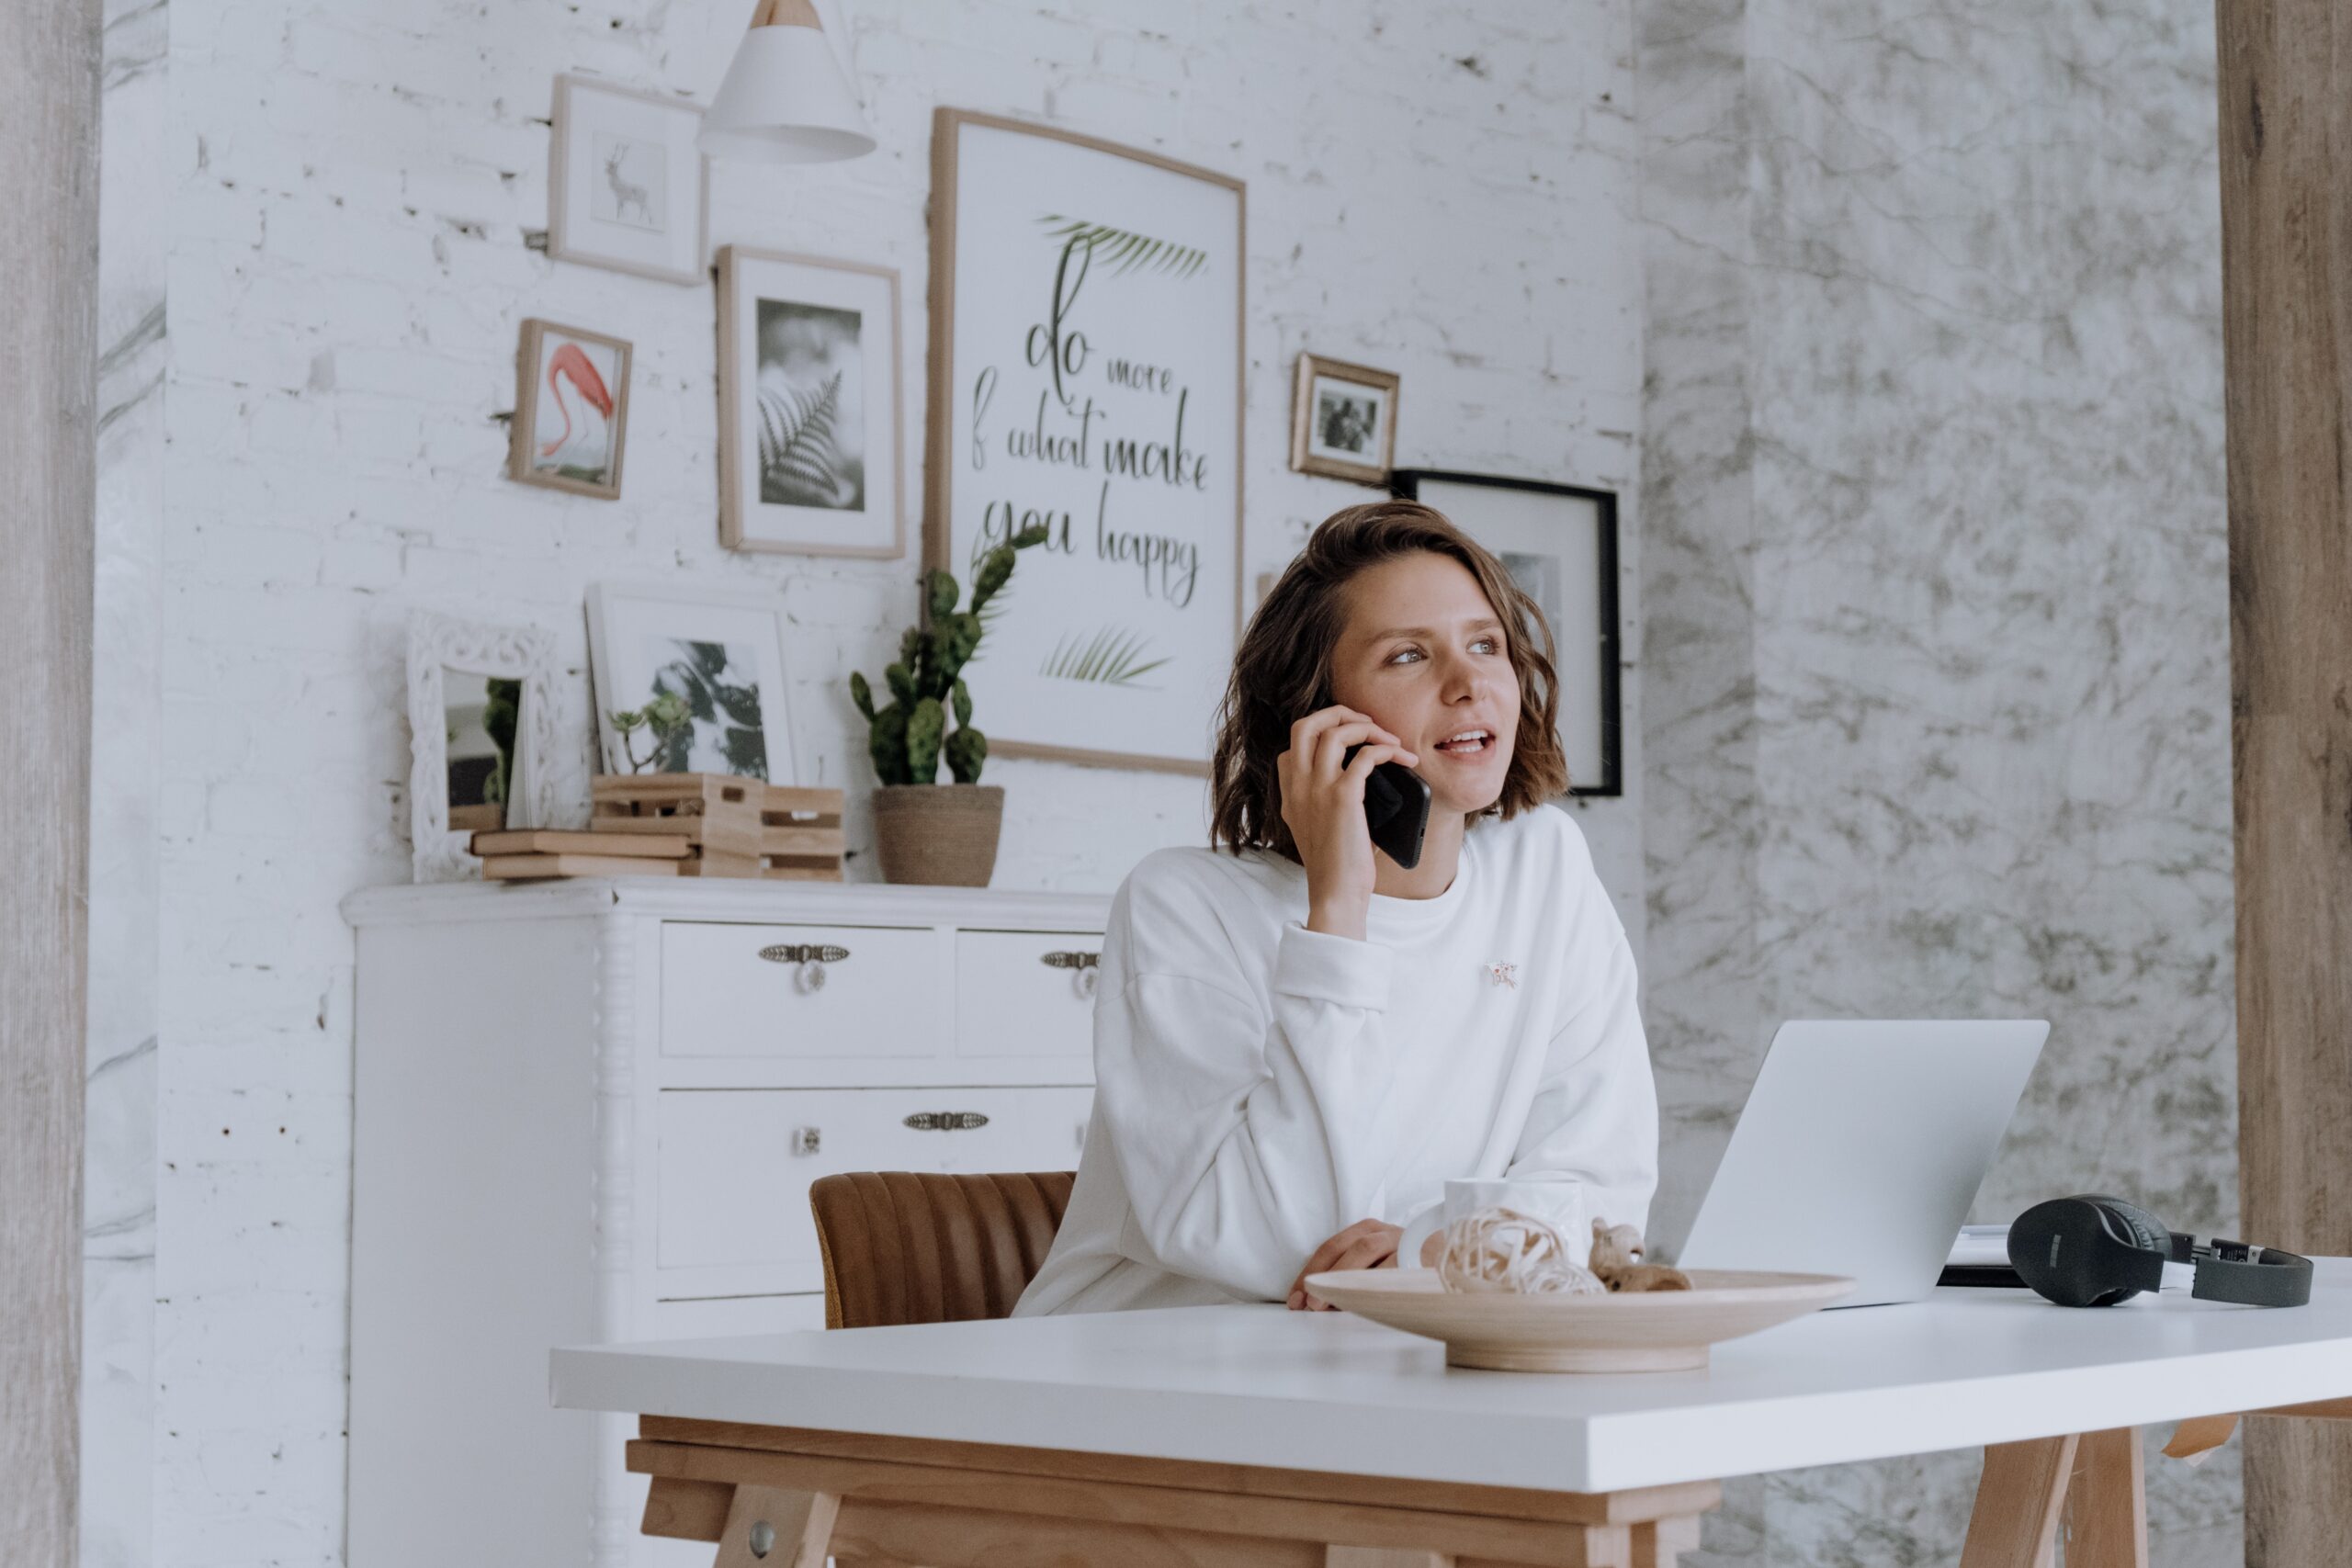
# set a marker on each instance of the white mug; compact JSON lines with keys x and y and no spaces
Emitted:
{"x":1559,"y":1200}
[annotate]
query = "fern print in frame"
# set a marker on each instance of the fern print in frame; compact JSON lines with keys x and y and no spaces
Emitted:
{"x":1085,"y":378}
{"x":810,"y":445}
{"x":800,"y":463}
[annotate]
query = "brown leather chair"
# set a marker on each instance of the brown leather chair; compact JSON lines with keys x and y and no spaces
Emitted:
{"x":914,"y":1247}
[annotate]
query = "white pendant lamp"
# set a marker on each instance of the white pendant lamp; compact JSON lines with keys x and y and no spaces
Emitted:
{"x":786,"y":98}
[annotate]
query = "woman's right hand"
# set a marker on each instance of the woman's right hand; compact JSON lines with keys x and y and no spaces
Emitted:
{"x":1322,"y":805}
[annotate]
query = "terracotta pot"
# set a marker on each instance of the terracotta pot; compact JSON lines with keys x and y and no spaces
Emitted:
{"x":943,"y":835}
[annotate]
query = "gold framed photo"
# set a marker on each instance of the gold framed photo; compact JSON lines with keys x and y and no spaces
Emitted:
{"x":571,"y":410}
{"x":1343,"y":421}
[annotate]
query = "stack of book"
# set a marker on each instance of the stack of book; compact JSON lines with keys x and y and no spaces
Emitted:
{"x":526,"y":854}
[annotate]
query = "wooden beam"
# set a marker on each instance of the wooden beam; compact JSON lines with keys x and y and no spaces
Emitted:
{"x":2014,"y":1522}
{"x":1241,"y":1480}
{"x":687,"y":1510}
{"x":2317,"y":1410}
{"x":2107,"y":1502}
{"x":2285,"y":83}
{"x":869,"y":1487}
{"x":1383,"y":1557}
{"x":771,"y":1528}
{"x":49,"y":254}
{"x":1661,"y":1542}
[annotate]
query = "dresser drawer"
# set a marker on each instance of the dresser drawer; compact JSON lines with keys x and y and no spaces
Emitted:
{"x":732,"y":1179}
{"x":739,"y":990}
{"x":1026,"y":993}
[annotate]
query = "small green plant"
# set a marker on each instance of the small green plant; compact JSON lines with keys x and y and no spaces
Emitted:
{"x":665,"y":717}
{"x":907,"y":739}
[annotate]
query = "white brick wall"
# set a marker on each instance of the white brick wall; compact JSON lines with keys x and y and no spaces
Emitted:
{"x":1441,"y":189}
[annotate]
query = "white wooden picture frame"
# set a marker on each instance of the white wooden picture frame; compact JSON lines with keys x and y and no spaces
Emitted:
{"x":626,"y":187}
{"x":439,"y":643}
{"x":811,"y":440}
{"x":646,"y":638}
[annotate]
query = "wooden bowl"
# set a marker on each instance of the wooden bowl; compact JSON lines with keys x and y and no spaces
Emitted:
{"x":1648,"y":1331}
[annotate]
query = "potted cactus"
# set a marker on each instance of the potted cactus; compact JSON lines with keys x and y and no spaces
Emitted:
{"x":927,"y":832}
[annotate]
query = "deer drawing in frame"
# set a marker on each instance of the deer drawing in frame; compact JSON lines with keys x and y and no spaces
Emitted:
{"x":625,"y":192}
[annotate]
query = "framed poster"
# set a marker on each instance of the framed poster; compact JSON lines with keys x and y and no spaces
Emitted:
{"x":571,"y":410}
{"x":1559,"y":543}
{"x":626,"y":187}
{"x":809,"y":444}
{"x":1086,"y":363}
{"x":718,"y":651}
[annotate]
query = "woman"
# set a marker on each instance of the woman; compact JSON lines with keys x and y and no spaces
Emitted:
{"x":1298,"y":1042}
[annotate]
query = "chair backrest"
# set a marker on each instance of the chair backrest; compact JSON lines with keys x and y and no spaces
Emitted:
{"x":915,"y":1247}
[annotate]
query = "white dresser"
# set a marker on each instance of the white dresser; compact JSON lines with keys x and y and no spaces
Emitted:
{"x":590,"y":1112}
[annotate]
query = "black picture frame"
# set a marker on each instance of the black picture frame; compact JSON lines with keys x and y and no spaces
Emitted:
{"x":1406,"y":484}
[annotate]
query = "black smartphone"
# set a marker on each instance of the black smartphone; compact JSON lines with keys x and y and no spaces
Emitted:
{"x":1396,"y":810}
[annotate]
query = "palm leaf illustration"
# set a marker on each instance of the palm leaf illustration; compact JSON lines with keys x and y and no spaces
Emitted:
{"x":800,"y":463}
{"x":1124,"y":250}
{"x":1114,"y":657}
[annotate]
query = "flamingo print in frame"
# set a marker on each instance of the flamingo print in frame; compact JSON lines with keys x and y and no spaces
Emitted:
{"x":571,"y":410}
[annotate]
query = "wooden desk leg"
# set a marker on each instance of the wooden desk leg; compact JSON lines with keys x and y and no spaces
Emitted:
{"x":770,"y":1528}
{"x":2106,"y":1503}
{"x":2014,"y":1524}
{"x":1660,"y":1543}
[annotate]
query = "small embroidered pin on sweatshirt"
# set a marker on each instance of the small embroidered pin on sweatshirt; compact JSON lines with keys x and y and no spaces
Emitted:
{"x":1503,"y":974}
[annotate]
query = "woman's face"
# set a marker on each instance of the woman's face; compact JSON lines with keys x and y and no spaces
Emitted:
{"x":1424,"y":655}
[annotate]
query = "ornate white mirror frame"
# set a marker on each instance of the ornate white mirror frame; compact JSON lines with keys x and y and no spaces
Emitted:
{"x":437,"y":643}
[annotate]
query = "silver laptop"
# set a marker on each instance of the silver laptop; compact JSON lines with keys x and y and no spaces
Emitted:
{"x":1861,"y":1149}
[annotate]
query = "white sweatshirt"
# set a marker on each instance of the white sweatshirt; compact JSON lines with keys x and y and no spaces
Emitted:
{"x":1259,"y":1086}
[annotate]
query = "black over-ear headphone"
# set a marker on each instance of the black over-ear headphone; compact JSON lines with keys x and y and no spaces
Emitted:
{"x":2092,"y":1250}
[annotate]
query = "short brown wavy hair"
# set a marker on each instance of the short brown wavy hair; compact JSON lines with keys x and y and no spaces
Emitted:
{"x":1281,"y":671}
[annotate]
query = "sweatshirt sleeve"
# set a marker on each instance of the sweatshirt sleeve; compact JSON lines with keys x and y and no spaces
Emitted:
{"x":1594,"y":1116}
{"x":1245,"y":1136}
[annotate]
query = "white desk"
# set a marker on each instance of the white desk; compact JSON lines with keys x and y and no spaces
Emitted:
{"x":1265,"y":1391}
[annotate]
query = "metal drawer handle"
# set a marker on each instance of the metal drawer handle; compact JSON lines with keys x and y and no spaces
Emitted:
{"x":947,"y":1121}
{"x":811,"y":956}
{"x":1084,"y":967}
{"x":808,"y":1140}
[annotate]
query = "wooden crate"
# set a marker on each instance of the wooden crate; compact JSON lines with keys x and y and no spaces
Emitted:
{"x":737,"y":826}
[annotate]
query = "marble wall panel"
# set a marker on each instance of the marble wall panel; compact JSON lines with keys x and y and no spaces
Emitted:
{"x":1936,"y":531}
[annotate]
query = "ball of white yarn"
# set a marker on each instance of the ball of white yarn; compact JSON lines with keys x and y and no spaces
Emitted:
{"x":1502,"y":1250}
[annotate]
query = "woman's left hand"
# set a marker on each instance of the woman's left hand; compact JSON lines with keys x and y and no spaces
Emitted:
{"x":1367,"y":1244}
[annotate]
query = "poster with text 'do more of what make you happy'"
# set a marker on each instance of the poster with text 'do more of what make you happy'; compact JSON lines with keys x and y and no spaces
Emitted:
{"x":1086,"y":375}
